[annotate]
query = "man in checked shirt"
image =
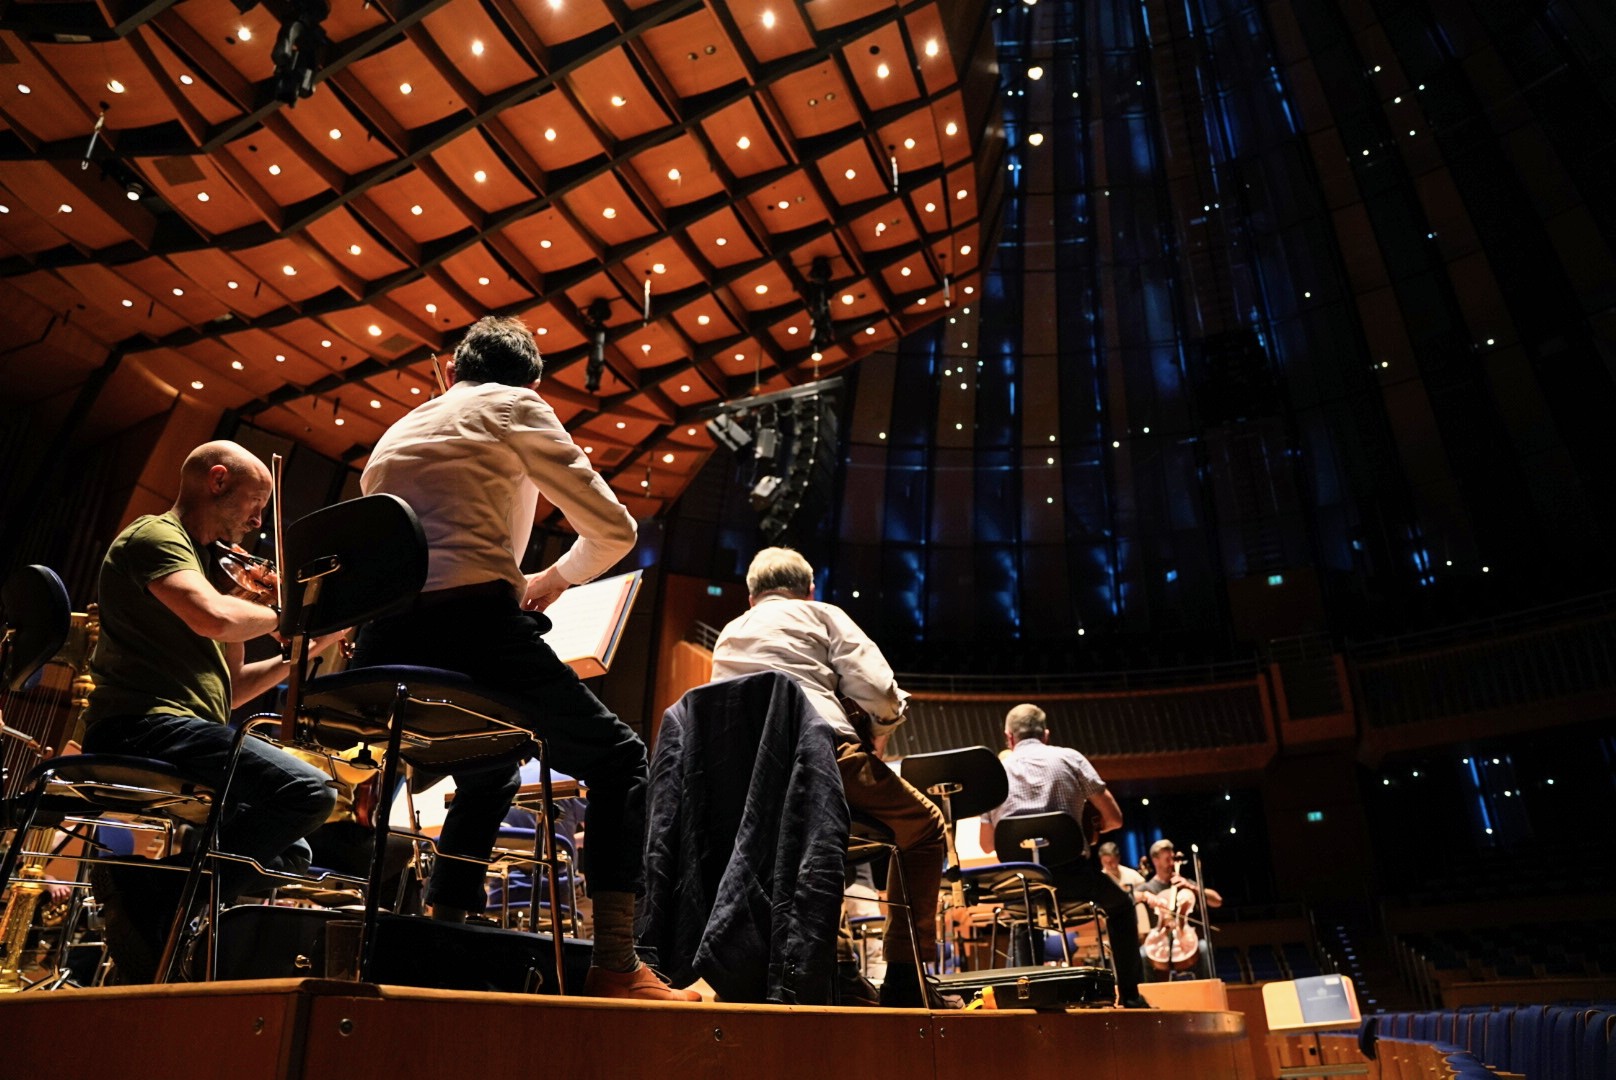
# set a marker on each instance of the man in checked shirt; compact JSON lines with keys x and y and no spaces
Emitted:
{"x":1045,"y":779}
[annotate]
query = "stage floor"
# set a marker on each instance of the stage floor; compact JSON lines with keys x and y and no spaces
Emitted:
{"x":312,"y":1029}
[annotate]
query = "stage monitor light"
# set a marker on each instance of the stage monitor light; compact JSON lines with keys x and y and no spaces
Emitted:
{"x":768,"y":444}
{"x":764,"y":491}
{"x":727,"y":432}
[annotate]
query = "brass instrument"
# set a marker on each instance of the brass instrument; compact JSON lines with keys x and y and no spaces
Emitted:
{"x":45,"y":714}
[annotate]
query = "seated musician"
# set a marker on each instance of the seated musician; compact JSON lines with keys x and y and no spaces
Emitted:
{"x":472,"y":463}
{"x":1166,"y":880}
{"x":1128,"y":880}
{"x":168,"y":667}
{"x":1046,"y":779}
{"x":785,"y":629}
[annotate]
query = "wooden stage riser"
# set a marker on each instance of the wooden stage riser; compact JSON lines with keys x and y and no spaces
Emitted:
{"x":310,"y":1030}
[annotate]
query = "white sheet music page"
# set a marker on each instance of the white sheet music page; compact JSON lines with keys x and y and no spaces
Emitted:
{"x":587,"y":620}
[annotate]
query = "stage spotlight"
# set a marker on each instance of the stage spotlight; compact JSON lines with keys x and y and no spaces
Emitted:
{"x":134,"y":190}
{"x":764,"y":491}
{"x":728,"y":433}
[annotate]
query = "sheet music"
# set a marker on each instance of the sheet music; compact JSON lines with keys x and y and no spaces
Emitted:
{"x":586,"y":619}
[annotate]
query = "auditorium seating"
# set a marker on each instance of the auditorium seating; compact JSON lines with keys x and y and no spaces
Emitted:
{"x":1433,"y":960}
{"x":1568,"y":1041}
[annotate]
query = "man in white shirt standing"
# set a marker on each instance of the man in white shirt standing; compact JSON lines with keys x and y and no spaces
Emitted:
{"x":786,"y":630}
{"x":472,"y":464}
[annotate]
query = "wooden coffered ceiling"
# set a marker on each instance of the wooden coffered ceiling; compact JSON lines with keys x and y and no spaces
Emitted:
{"x":301,"y":265}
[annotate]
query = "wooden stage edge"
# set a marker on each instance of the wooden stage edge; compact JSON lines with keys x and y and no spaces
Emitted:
{"x":308,"y":1029}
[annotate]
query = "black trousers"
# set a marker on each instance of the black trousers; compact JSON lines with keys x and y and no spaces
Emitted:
{"x":1084,"y":880}
{"x":480,"y":631}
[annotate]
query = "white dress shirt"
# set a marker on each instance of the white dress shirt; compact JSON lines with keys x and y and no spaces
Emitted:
{"x":472,"y":463}
{"x":823,"y":649}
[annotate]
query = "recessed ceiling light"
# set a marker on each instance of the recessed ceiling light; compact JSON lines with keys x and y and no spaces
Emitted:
{"x":619,"y":100}
{"x":608,"y":213}
{"x":432,"y":309}
{"x":280,"y":358}
{"x":416,"y":210}
{"x":847,"y":298}
{"x":236,"y":365}
{"x":65,"y":208}
{"x":544,"y":244}
{"x":375,"y":404}
{"x":702,"y":320}
{"x":791,"y":330}
{"x":354,"y":249}
{"x":869,"y":329}
{"x":196,"y":384}
{"x":274,"y":170}
{"x":339,"y":421}
{"x":405,"y":88}
{"x":115,"y":86}
{"x":684,"y":388}
{"x":416,"y":390}
{"x":4,"y":209}
{"x":743,"y":142}
{"x":128,"y":303}
{"x":555,"y":5}
{"x":374,"y":330}
{"x":335,"y":133}
{"x":541,"y":331}
{"x":882,"y":71}
{"x":761,"y":289}
{"x":1036,"y":138}
{"x":1035,"y":73}
{"x":965,"y":249}
{"x":621,"y":425}
{"x":658,"y":268}
{"x":482,"y":281}
{"x":667,"y":459}
{"x":932,"y":48}
{"x":784,"y":204}
{"x":289,"y":270}
{"x":132,"y":192}
{"x":816,"y":356}
{"x":674,"y":174}
{"x":690,"y":431}
{"x":951,"y":128}
{"x":768,"y":20}
{"x":179,"y":292}
{"x":325,"y":343}
{"x":231,"y":285}
{"x":549,"y":134}
{"x":720,"y":241}
{"x":186,"y":80}
{"x":24,"y":88}
{"x":908,"y":144}
{"x":589,"y":449}
{"x":930,"y":207}
{"x":969,"y":289}
{"x":906,"y":271}
{"x":740,"y":356}
{"x":476,"y":48}
{"x":243,"y":33}
{"x":921,"y":301}
{"x":480,"y":176}
{"x":961,"y":193}
{"x":201,"y":196}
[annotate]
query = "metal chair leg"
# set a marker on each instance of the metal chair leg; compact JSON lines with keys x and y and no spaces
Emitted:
{"x":384,"y":807}
{"x":909,"y":920}
{"x":547,"y":846}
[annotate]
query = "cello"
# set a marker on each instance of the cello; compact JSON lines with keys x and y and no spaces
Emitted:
{"x":1172,"y":944}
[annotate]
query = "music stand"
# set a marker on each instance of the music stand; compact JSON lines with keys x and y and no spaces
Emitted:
{"x":1312,"y":1005}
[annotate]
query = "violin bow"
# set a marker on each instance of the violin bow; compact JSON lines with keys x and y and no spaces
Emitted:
{"x":276,"y":467}
{"x":437,"y":375}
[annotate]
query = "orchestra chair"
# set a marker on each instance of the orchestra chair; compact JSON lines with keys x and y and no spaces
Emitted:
{"x":511,"y":889}
{"x":1051,"y":840}
{"x":964,"y":783}
{"x":361,"y":560}
{"x":867,"y":841}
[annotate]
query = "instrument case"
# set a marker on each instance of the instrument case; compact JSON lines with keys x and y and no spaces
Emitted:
{"x":1047,"y":989}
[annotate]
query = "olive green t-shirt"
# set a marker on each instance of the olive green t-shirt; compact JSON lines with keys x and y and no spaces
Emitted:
{"x":147,"y":660}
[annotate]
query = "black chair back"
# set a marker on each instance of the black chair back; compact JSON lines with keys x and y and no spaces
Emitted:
{"x":1064,"y":834}
{"x":35,"y":609}
{"x":978,"y":771}
{"x":369,"y":555}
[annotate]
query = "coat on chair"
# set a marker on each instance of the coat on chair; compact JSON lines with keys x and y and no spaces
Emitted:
{"x":746,"y":831}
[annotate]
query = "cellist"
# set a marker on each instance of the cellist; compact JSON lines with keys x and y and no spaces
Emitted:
{"x":1172,"y":944}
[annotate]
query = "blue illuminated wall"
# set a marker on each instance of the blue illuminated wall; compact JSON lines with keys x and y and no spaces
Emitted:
{"x":1300,"y":320}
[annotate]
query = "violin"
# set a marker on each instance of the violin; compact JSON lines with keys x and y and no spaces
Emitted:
{"x":1173,"y":945}
{"x":252,"y":577}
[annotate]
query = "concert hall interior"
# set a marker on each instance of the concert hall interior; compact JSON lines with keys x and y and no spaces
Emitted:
{"x":1223,"y":378}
